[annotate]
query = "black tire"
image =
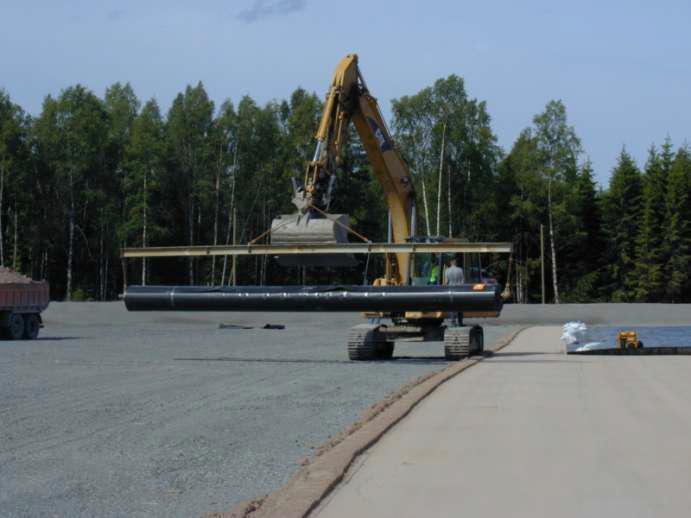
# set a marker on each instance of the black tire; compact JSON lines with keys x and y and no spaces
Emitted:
{"x":456,"y":343}
{"x":32,"y":324}
{"x":15,"y":327}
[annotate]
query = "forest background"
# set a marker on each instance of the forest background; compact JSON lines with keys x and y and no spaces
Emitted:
{"x":90,"y":175}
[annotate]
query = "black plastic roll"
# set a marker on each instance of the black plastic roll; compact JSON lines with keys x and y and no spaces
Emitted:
{"x":468,"y":297}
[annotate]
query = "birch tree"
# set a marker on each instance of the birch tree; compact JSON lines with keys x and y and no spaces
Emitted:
{"x":188,"y":128}
{"x":144,"y":161}
{"x":440,"y":130}
{"x":9,"y":137}
{"x":72,"y":133}
{"x":559,"y":148}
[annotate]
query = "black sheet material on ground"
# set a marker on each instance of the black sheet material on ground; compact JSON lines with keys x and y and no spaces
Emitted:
{"x":665,"y":349}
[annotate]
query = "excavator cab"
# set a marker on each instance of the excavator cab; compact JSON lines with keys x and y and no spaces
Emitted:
{"x":428,"y":269}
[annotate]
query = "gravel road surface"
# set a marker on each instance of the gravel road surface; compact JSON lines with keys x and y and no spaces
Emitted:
{"x":534,"y":433}
{"x":164,"y":414}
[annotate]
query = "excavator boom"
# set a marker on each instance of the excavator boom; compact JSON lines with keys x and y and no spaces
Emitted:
{"x":348,"y":100}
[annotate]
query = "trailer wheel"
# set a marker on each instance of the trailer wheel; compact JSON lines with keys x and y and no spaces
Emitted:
{"x":15,"y":327}
{"x":31,"y":326}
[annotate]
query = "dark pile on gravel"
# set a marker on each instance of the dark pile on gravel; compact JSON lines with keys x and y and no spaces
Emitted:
{"x":8,"y":276}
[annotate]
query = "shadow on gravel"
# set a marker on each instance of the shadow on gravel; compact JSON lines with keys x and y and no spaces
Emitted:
{"x":525,"y":353}
{"x":408,"y":360}
{"x":259,"y":360}
{"x":58,"y":338}
{"x":44,"y":339}
{"x":413,"y":360}
{"x":520,"y":361}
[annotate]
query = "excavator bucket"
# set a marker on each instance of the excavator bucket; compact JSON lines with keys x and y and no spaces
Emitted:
{"x":297,"y":229}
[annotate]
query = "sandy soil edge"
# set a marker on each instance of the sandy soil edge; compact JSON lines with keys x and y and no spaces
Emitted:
{"x":316,"y":478}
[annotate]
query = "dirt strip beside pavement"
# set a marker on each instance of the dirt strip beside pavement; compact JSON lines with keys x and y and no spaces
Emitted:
{"x":316,"y":478}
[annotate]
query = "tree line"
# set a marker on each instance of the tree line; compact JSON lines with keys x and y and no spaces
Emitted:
{"x":89,"y":175}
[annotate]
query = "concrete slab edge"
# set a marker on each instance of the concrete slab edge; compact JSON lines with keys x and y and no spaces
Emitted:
{"x":316,"y":479}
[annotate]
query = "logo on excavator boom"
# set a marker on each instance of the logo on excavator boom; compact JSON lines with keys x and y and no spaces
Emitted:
{"x":384,"y":144}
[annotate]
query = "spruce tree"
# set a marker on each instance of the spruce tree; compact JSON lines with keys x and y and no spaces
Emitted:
{"x":622,"y":212}
{"x":677,"y":236}
{"x":586,"y":244}
{"x":651,"y":259}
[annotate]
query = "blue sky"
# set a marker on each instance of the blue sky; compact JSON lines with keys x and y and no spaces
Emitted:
{"x":623,"y":68}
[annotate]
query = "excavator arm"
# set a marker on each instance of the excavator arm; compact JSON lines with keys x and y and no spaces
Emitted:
{"x":349,"y":100}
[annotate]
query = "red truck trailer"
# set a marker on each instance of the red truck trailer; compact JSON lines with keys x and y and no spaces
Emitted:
{"x":21,"y":303}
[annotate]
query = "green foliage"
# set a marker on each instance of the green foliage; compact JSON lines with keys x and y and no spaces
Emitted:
{"x":15,"y":176}
{"x":650,"y":261}
{"x":71,"y":138}
{"x":558,"y":146}
{"x":622,"y":206}
{"x":90,"y":175}
{"x":471,"y":156}
{"x":582,"y":239}
{"x":79,"y":295}
{"x":677,"y":230}
{"x":143,"y":164}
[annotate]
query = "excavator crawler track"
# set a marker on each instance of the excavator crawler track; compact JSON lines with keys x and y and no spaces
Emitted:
{"x":461,"y":342}
{"x":366,"y":343}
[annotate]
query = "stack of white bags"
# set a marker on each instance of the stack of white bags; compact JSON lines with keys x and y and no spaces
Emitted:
{"x":575,"y":338}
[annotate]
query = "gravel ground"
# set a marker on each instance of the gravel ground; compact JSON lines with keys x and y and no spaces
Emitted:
{"x":164,"y":414}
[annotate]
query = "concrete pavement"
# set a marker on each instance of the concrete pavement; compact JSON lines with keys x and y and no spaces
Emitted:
{"x":532,"y":432}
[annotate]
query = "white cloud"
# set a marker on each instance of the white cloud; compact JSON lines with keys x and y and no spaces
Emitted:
{"x":266,"y":8}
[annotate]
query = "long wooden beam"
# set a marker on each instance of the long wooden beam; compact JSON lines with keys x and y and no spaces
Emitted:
{"x":320,"y":248}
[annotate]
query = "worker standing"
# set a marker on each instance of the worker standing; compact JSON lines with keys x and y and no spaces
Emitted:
{"x":453,"y":275}
{"x":435,"y":273}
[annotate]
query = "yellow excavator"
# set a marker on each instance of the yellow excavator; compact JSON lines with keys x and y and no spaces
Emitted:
{"x":348,"y":100}
{"x":400,"y":305}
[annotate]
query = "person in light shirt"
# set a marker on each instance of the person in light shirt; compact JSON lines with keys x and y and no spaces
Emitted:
{"x":453,"y":275}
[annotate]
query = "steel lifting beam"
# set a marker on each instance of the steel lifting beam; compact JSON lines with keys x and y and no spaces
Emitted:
{"x":320,"y":248}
